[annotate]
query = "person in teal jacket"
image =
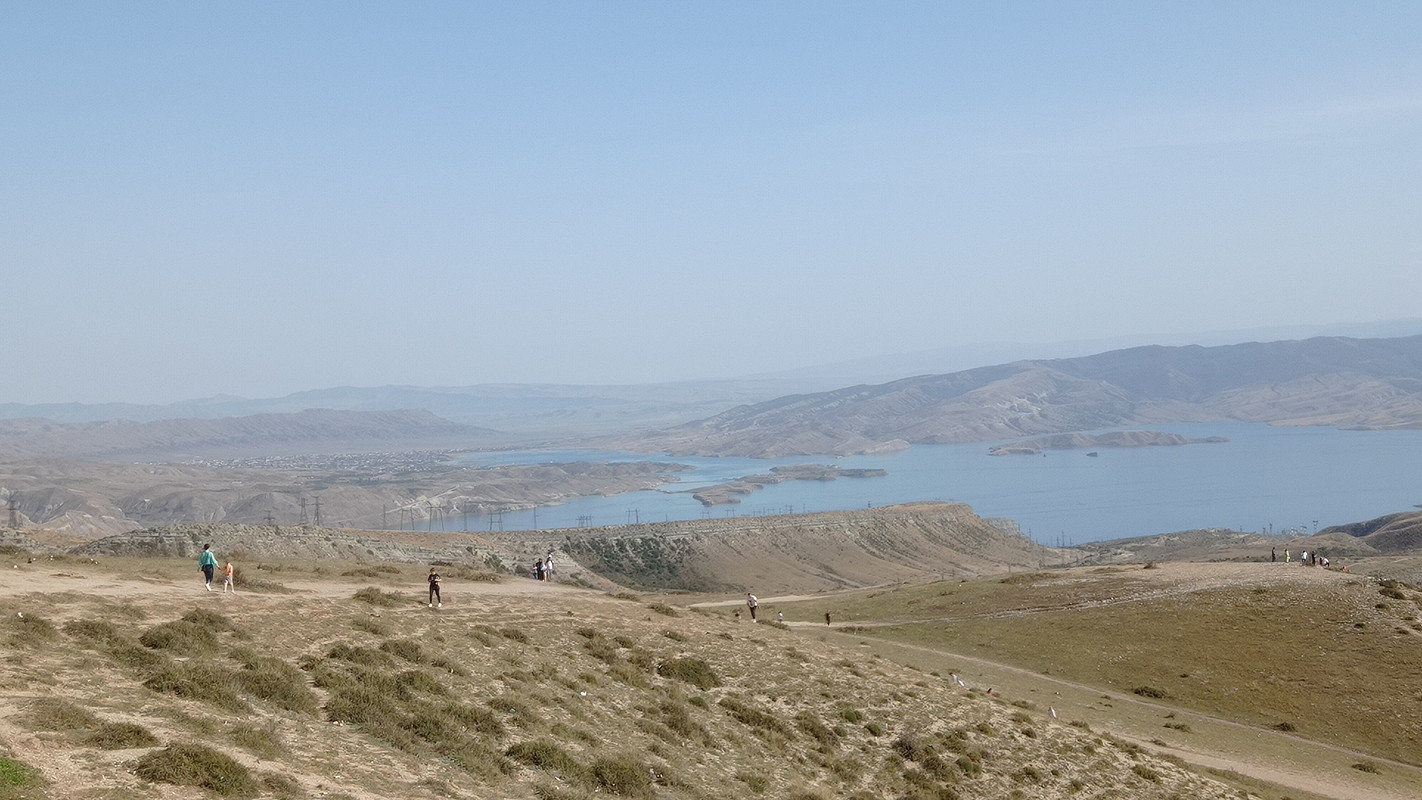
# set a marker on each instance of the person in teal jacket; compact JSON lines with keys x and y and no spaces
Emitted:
{"x":207,"y":562}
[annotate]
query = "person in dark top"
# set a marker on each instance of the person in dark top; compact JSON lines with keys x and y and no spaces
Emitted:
{"x":208,"y":563}
{"x":434,"y":590}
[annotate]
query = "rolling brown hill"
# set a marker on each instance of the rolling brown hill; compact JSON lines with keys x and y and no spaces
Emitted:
{"x":787,"y":553}
{"x":1373,"y":383}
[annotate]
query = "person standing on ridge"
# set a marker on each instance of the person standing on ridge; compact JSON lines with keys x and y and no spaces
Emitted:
{"x":207,"y":562}
{"x":752,"y":604}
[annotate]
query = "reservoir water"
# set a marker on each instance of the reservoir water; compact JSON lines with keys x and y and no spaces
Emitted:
{"x":1263,"y":479}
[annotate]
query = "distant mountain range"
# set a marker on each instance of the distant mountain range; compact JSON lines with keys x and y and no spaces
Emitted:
{"x":1333,"y":381}
{"x":310,"y":431}
{"x":526,"y":413}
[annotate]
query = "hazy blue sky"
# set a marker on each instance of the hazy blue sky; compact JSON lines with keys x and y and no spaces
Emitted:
{"x":258,"y":198}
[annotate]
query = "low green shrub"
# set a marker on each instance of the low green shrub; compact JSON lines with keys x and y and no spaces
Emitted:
{"x":16,"y":776}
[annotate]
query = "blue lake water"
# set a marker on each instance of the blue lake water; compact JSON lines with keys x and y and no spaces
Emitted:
{"x":1263,"y":479}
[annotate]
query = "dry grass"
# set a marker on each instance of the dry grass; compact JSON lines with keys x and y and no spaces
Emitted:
{"x":566,"y":694}
{"x":1323,"y":661}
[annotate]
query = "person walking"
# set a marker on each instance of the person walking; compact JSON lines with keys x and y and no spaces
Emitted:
{"x":435,"y":601}
{"x":207,"y":562}
{"x":752,"y":604}
{"x":228,"y":572}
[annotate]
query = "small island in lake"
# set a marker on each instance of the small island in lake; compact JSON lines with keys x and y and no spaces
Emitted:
{"x":1082,"y":441}
{"x":730,"y":492}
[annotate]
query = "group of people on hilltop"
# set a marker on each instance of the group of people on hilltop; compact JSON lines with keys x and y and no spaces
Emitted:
{"x":207,"y":562}
{"x":543,"y":568}
{"x":1314,"y":559}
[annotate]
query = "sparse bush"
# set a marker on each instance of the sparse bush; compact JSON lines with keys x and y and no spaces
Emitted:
{"x":692,"y":670}
{"x":62,"y":715}
{"x":674,"y":636}
{"x":31,"y":631}
{"x":628,"y":674}
{"x":262,"y":742}
{"x":419,"y":681}
{"x":197,"y":765}
{"x":281,"y":786}
{"x":874,"y":729}
{"x":547,"y":755}
{"x":622,"y":775}
{"x":756,"y":783}
{"x":97,"y":630}
{"x":359,"y":655}
{"x":664,"y":609}
{"x":280,"y":683}
{"x":473,"y":718}
{"x":374,"y":625}
{"x":198,"y":681}
{"x":408,"y":649}
{"x":120,"y":736}
{"x":515,"y":635}
{"x":136,"y":657}
{"x":182,"y":636}
{"x":1150,"y":691}
{"x":375,"y":597}
{"x":753,"y":717}
{"x":1146,"y":772}
{"x":817,"y":730}
{"x":1370,"y":767}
